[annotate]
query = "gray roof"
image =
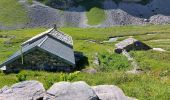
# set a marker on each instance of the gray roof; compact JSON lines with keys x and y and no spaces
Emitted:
{"x":125,"y":43}
{"x":49,"y":45}
{"x":54,"y":33}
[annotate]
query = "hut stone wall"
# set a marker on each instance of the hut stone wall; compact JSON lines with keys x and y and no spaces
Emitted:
{"x":38,"y":60}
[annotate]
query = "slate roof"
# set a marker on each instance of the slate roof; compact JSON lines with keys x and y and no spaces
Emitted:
{"x":52,"y":32}
{"x":125,"y":43}
{"x":46,"y":43}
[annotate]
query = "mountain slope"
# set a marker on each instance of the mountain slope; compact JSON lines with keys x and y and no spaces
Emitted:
{"x":105,"y":13}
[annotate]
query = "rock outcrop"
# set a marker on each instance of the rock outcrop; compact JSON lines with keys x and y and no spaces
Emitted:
{"x":33,"y":90}
{"x":28,"y":90}
{"x":110,"y":92}
{"x":68,"y":91}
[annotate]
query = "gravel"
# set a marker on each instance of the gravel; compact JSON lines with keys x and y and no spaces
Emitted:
{"x":156,"y":12}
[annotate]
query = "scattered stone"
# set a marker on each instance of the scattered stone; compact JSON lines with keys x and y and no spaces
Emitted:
{"x":12,"y":37}
{"x":113,"y":39}
{"x":110,"y":92}
{"x":71,"y":91}
{"x":96,"y":60}
{"x":91,"y":41}
{"x":159,"y":49}
{"x":27,"y":90}
{"x":135,"y":71}
{"x":146,"y":20}
{"x":8,"y":42}
{"x":90,"y":70}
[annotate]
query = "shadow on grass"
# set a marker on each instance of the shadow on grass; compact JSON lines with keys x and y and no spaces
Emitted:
{"x":81,"y":60}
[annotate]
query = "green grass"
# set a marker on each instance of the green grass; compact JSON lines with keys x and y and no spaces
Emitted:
{"x":18,"y":36}
{"x":11,"y":13}
{"x":30,"y":1}
{"x":113,"y":61}
{"x":95,"y":16}
{"x":154,"y":84}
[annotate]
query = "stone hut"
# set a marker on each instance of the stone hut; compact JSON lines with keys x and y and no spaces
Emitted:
{"x":51,"y":50}
{"x":130,"y":44}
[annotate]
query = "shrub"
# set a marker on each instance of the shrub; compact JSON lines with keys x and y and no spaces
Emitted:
{"x":21,"y":76}
{"x":1,"y":71}
{"x":165,"y":73}
{"x":49,"y":81}
{"x":68,"y":76}
{"x":113,"y":61}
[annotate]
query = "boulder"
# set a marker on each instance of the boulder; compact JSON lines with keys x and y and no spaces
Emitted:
{"x":159,"y":49}
{"x":110,"y":92}
{"x":71,"y":91}
{"x":33,"y":90}
{"x":27,"y":90}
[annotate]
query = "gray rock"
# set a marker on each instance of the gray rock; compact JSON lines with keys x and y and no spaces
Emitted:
{"x":160,"y":19}
{"x":71,"y":91}
{"x":113,"y":39}
{"x":8,"y":42}
{"x":5,"y":88}
{"x":159,"y":49}
{"x":96,"y":60}
{"x":27,"y":90}
{"x":110,"y":92}
{"x":90,"y":70}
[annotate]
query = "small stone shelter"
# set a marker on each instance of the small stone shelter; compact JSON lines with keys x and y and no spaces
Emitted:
{"x":51,"y":50}
{"x":130,"y":44}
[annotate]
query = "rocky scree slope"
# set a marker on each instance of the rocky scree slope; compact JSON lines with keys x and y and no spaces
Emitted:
{"x":122,"y":13}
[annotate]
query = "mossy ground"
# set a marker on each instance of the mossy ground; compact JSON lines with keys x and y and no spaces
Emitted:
{"x":154,"y":84}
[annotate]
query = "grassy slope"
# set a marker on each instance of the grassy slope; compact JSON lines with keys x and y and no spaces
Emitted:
{"x":95,"y":16}
{"x":15,"y":38}
{"x":11,"y":13}
{"x":152,"y":85}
